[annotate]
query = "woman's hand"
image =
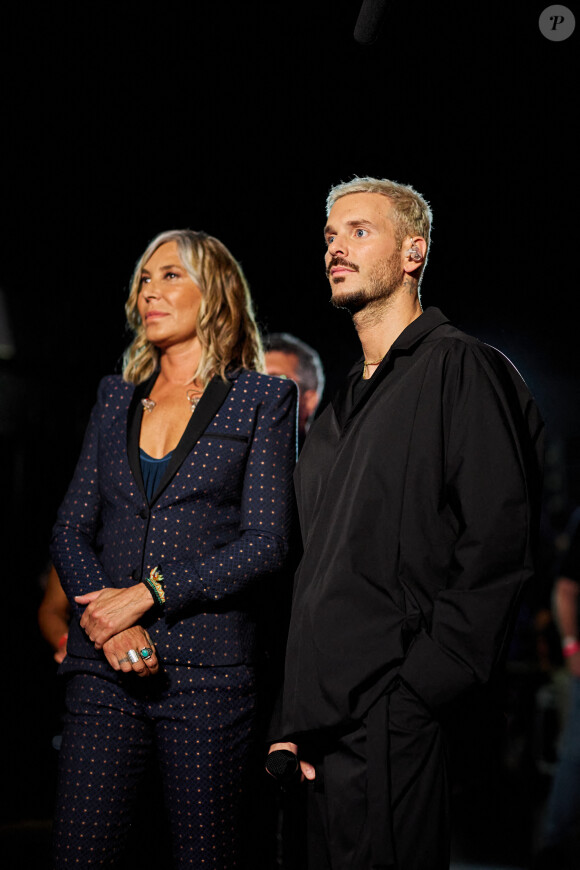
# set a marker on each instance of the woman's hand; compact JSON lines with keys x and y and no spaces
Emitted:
{"x":132,"y":651}
{"x":110,"y":611}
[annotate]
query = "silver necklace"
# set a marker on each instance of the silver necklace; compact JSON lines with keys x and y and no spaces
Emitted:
{"x":192,"y":396}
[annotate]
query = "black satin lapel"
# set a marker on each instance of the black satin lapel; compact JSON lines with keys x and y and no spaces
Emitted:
{"x":207,"y":407}
{"x":134,"y":417}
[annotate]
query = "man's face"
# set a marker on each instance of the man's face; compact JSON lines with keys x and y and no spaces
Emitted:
{"x":285,"y":365}
{"x":363,"y":261}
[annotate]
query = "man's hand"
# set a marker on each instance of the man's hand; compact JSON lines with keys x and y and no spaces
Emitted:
{"x":132,"y":651}
{"x":110,"y":611}
{"x":307,"y":770}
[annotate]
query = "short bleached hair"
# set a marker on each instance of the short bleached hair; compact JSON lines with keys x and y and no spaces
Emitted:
{"x":411,"y":213}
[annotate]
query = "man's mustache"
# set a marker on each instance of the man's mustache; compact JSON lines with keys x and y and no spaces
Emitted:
{"x":339,"y":261}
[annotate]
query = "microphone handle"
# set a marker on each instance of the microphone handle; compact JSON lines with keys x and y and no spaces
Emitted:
{"x":369,"y":20}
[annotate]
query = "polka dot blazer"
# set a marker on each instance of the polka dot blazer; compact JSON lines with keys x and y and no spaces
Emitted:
{"x":218,"y":524}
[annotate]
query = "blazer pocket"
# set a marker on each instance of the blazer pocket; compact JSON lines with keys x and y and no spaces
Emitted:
{"x":222,"y":436}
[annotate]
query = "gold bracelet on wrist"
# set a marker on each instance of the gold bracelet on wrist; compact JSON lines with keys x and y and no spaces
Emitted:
{"x":154,"y":584}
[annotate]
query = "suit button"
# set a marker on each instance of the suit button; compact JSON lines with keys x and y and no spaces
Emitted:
{"x":136,"y":574}
{"x":144,"y":514}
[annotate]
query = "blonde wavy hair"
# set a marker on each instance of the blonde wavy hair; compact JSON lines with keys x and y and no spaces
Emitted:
{"x":226,"y":326}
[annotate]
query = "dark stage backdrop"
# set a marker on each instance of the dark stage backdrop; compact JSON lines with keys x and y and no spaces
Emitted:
{"x":120,"y":120}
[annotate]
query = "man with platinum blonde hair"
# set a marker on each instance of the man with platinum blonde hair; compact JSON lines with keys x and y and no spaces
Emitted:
{"x":418,"y":490}
{"x":410,"y":209}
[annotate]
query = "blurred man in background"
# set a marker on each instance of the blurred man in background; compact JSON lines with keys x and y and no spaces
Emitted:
{"x":290,"y":357}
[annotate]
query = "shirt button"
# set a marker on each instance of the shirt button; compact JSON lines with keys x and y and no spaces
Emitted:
{"x":136,"y":574}
{"x":144,"y":514}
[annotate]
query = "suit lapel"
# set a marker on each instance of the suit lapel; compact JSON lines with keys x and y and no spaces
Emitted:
{"x":211,"y":401}
{"x":134,"y":417}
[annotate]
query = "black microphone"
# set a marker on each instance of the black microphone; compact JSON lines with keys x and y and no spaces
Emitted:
{"x":282,"y":765}
{"x":369,"y":20}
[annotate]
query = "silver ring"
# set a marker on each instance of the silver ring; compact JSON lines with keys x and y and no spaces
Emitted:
{"x":132,"y":656}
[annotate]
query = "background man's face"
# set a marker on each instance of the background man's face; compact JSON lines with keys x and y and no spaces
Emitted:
{"x":286,"y":365}
{"x":363,"y":261}
{"x":282,"y":364}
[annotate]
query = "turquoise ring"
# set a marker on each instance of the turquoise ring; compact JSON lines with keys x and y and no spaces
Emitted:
{"x":146,"y":652}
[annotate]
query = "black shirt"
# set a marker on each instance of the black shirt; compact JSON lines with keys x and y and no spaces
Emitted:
{"x":418,"y":495}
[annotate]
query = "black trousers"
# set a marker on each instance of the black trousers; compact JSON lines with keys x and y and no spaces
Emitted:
{"x":380,"y":797}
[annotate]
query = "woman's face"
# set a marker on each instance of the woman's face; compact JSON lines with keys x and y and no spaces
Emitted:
{"x":168,"y":300}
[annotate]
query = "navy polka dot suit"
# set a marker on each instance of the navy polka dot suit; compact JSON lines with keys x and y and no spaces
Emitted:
{"x":218,"y":527}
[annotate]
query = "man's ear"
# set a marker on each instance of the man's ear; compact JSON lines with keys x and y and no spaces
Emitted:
{"x":414,"y":252}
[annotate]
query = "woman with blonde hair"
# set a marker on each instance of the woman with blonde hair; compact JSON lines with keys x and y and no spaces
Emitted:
{"x":179,"y":508}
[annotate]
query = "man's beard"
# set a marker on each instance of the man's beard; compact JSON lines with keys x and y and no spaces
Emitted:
{"x":382,"y":282}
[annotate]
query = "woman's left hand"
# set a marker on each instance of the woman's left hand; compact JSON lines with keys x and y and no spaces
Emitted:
{"x":132,"y":650}
{"x":110,"y":611}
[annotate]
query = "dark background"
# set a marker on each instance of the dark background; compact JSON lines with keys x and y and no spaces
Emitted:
{"x":121,"y":120}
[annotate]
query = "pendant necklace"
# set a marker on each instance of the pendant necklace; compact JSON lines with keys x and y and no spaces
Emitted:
{"x":367,"y":363}
{"x":193,"y":396}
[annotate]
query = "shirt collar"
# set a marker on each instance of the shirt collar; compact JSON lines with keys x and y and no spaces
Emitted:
{"x":415,"y":332}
